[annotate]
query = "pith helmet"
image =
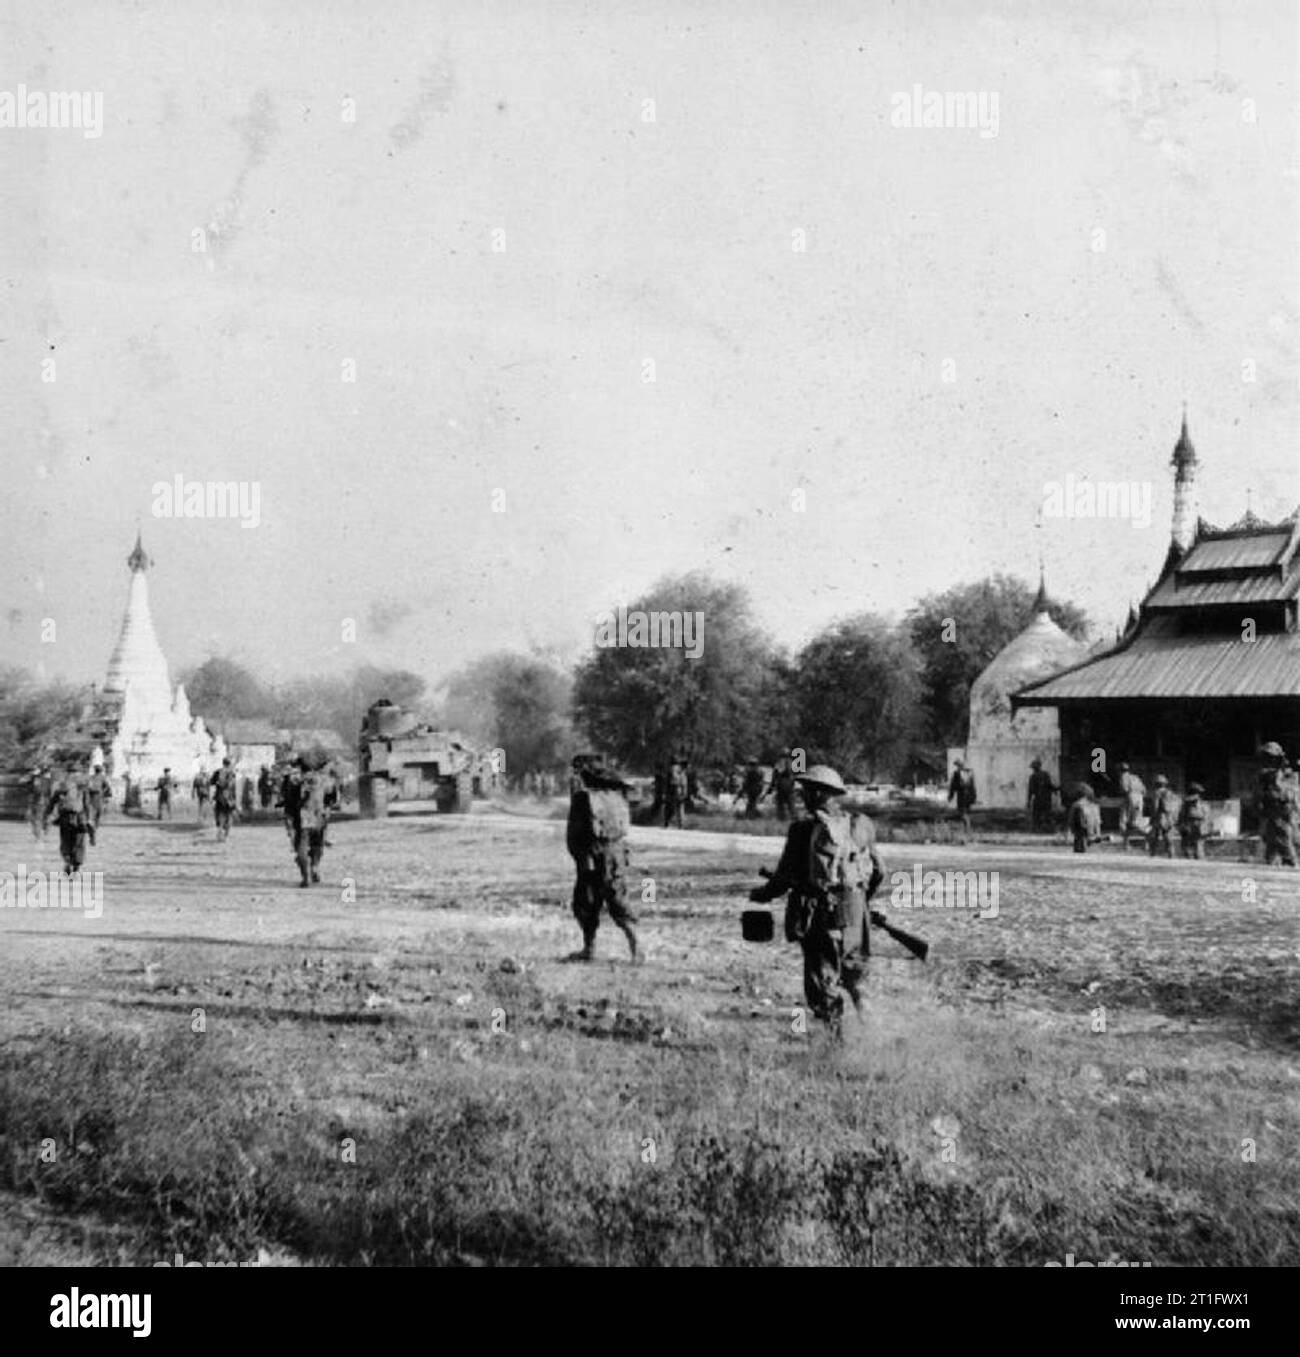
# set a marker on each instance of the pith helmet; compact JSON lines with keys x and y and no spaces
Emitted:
{"x":1161,"y":780}
{"x":1035,"y":763}
{"x":1123,"y":767}
{"x":1272,"y":750}
{"x":1196,"y":789}
{"x":819,"y":775}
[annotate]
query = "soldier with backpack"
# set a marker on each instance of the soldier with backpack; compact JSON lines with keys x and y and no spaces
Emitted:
{"x":70,"y":804}
{"x":308,"y":793}
{"x":225,"y":796}
{"x":39,"y":787}
{"x":829,"y":870}
{"x":597,"y":842}
{"x":99,"y":789}
{"x":1133,"y":790}
{"x":201,"y":787}
{"x":1164,"y":814}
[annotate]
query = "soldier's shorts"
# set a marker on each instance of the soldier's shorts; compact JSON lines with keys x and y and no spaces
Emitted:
{"x":309,"y":848}
{"x":1279,"y":843}
{"x":834,"y":958}
{"x":602,"y":880}
{"x":72,"y":843}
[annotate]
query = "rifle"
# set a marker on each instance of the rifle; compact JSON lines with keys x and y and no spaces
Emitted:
{"x":918,"y":947}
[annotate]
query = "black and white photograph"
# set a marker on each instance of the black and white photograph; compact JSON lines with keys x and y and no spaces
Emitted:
{"x":651,"y":635}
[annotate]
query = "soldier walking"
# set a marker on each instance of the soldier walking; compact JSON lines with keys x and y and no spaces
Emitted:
{"x":829,"y":870}
{"x":265,"y":788}
{"x":1038,"y":800}
{"x":1277,"y":802}
{"x":165,"y":785}
{"x":754,"y":787}
{"x":39,"y":787}
{"x":597,"y":841}
{"x":1083,"y":819}
{"x":1193,"y":818}
{"x":224,"y":798}
{"x":1164,"y":813}
{"x":675,"y":794}
{"x":1132,"y":789}
{"x":783,"y":784}
{"x":201,"y":787}
{"x":962,"y":790}
{"x":98,"y":790}
{"x":308,"y":793}
{"x":69,"y":803}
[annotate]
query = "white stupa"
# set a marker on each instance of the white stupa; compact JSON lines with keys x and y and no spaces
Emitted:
{"x":1002,"y":744}
{"x":152,"y":725}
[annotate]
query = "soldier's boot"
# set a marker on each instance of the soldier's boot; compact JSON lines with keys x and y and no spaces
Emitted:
{"x":630,"y":935}
{"x":588,"y":950}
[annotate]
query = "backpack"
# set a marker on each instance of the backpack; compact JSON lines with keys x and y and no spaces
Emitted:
{"x":677,"y":782}
{"x":840,"y":865}
{"x":72,"y":804}
{"x":310,"y":801}
{"x":597,"y":817}
{"x":223,"y":781}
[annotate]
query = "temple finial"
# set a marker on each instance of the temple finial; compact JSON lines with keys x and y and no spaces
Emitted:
{"x":138,"y":559}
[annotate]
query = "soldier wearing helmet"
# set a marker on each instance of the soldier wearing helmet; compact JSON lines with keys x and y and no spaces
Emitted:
{"x":962,"y":790}
{"x":1164,"y":815}
{"x":1133,"y":790}
{"x":828,"y":871}
{"x":1038,"y":800}
{"x":1278,"y":805}
{"x":596,"y":837}
{"x":225,"y":796}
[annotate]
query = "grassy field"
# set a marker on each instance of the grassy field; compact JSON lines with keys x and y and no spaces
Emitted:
{"x":399,"y":1066}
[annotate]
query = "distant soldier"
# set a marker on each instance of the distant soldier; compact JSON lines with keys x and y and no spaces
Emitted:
{"x":829,"y":870}
{"x":597,"y":841}
{"x":309,"y":792}
{"x":166,"y":785}
{"x":1193,"y":822}
{"x":1039,"y":798}
{"x":39,"y":787}
{"x":1083,"y":819}
{"x":246,"y":798}
{"x":783,"y":784}
{"x":693,"y":798}
{"x":225,"y":796}
{"x":754,"y":786}
{"x":1164,"y":815}
{"x":265,"y":788}
{"x":1277,"y":802}
{"x":99,"y":790}
{"x":69,"y":803}
{"x":962,"y":790}
{"x":202,"y":789}
{"x":1133,"y":790}
{"x":675,"y":793}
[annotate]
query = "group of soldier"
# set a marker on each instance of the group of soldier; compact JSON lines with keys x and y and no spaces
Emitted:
{"x":73,"y":792}
{"x":1277,"y":804}
{"x":829,"y":870}
{"x":677,"y":788}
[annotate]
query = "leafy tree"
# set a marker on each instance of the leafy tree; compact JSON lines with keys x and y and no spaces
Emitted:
{"x":221,"y":688}
{"x":641,"y":704}
{"x":35,"y":716}
{"x":959,"y":631}
{"x":857,"y":689}
{"x":517,"y":703}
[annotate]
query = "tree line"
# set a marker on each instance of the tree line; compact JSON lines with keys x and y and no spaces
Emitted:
{"x":868,"y":693}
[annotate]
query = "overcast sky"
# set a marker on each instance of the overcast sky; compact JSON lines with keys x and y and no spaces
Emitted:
{"x":632,"y":232}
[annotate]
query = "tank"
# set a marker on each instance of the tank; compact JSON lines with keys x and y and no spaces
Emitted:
{"x":400,"y":758}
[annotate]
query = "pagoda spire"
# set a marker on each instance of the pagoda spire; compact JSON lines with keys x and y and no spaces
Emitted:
{"x":138,"y":559}
{"x":1185,"y":523}
{"x":1041,"y":602}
